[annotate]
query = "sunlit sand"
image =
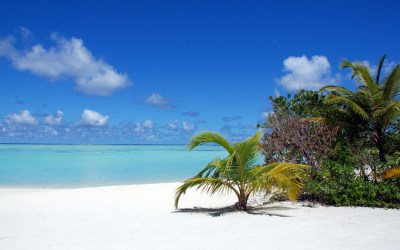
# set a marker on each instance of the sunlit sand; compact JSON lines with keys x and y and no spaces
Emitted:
{"x":144,"y":217}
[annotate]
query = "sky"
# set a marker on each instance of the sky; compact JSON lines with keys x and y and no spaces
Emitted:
{"x":158,"y":72}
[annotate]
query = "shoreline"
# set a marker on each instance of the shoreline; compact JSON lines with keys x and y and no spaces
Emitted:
{"x":142,"y":216}
{"x":58,"y":187}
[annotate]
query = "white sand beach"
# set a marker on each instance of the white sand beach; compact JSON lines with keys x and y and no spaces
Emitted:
{"x":143,"y":217}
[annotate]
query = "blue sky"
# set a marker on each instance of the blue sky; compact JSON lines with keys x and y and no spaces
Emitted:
{"x":160,"y":71}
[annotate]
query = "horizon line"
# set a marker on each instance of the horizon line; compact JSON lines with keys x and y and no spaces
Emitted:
{"x":99,"y":144}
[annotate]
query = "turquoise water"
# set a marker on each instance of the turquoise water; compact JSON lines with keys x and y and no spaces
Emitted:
{"x":98,"y":165}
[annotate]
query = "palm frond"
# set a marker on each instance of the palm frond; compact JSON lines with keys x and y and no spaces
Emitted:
{"x":210,"y":137}
{"x":346,"y":64}
{"x":389,"y":114}
{"x":392,"y":173}
{"x":284,"y":176}
{"x":211,"y":167}
{"x":247,"y":152}
{"x":379,"y":69}
{"x":339,"y":91}
{"x":363,"y":75}
{"x":353,"y":105}
{"x":391,"y":88}
{"x":334,"y":122}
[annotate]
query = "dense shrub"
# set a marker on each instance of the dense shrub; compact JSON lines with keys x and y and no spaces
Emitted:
{"x":338,"y":185}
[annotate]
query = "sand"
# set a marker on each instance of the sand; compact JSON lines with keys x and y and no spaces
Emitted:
{"x":143,"y":217}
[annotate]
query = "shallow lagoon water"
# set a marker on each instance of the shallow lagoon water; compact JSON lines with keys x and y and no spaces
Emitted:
{"x":27,"y":165}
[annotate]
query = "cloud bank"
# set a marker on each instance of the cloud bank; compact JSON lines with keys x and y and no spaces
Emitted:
{"x":93,"y":127}
{"x":144,"y":126}
{"x":54,"y":120}
{"x":68,"y":58}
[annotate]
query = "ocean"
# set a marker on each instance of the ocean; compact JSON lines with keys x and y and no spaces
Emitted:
{"x":70,"y":166}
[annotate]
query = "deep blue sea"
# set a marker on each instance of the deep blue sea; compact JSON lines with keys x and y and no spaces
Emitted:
{"x":33,"y":165}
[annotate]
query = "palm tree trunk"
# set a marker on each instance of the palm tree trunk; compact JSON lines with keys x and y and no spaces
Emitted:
{"x":242,"y":205}
{"x":380,"y":147}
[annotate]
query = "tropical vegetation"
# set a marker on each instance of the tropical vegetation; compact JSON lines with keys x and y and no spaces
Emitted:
{"x":375,"y":105}
{"x":239,"y":172}
{"x":334,"y":146}
{"x":351,"y":139}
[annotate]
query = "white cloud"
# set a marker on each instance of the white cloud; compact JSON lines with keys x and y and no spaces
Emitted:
{"x":156,"y":100}
{"x":138,"y":128}
{"x":24,"y":117}
{"x":277,"y":93}
{"x":372,"y":68}
{"x":69,"y":58}
{"x":187,"y":126}
{"x":51,"y":131}
{"x":147,"y":124}
{"x":150,"y":137}
{"x":173,"y":125}
{"x":56,"y":119}
{"x":25,"y":33}
{"x":92,"y":118}
{"x":306,"y":74}
{"x":388,"y":67}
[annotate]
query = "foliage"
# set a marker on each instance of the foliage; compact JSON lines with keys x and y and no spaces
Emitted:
{"x":393,"y":161}
{"x":348,"y":170}
{"x":311,"y":104}
{"x":292,"y":139}
{"x":392,"y":167}
{"x":304,"y":104}
{"x":277,"y":196}
{"x":375,"y":105}
{"x":338,"y":185}
{"x":237,"y":173}
{"x":391,"y":143}
{"x":364,"y":158}
{"x":355,"y":146}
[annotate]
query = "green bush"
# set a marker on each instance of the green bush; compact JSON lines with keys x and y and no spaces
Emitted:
{"x":338,"y":185}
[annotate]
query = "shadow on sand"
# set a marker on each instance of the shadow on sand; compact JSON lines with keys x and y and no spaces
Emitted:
{"x":257,"y":210}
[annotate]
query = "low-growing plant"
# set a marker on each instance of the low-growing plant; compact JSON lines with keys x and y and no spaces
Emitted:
{"x":238,"y":172}
{"x":339,"y":185}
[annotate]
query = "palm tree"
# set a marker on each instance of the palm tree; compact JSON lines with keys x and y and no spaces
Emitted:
{"x":238,"y":173}
{"x":375,"y":106}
